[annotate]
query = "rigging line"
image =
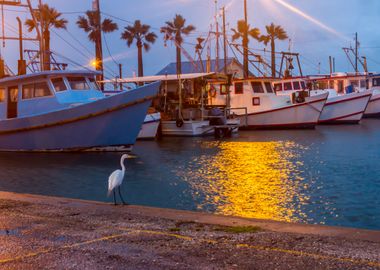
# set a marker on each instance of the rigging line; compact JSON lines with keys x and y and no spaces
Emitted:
{"x":72,"y":46}
{"x":80,"y":43}
{"x":108,"y":49}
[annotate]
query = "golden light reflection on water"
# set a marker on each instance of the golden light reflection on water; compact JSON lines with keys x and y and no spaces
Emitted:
{"x":250,"y":179}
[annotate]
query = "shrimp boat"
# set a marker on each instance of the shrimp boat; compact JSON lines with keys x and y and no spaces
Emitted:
{"x":356,"y":82}
{"x":184,"y":110}
{"x":340,"y":107}
{"x":265,"y":109}
{"x":66,"y":111}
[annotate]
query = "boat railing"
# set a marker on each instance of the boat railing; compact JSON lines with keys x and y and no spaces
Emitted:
{"x":231,"y":111}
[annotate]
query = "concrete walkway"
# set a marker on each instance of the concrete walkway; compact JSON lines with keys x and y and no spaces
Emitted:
{"x":55,"y":233}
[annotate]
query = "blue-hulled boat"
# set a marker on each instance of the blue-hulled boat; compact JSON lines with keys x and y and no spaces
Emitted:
{"x":66,"y":111}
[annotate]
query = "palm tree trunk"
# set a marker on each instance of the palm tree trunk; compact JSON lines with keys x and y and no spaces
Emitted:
{"x":245,"y":57}
{"x":273,"y":48}
{"x":140,"y":61}
{"x":179,"y":63}
{"x":46,"y":53}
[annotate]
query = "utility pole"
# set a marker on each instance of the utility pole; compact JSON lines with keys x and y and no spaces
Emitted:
{"x":245,"y":62}
{"x":356,"y":52}
{"x":225,"y":41}
{"x":98,"y":42}
{"x":216,"y":37}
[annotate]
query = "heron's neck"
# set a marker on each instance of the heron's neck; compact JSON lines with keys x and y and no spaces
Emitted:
{"x":122,"y":165}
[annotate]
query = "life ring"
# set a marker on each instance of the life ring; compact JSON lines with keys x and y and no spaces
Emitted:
{"x":179,"y":123}
{"x":300,"y":99}
{"x":212,"y":91}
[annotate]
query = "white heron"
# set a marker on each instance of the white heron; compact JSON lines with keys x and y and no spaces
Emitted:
{"x":116,"y":179}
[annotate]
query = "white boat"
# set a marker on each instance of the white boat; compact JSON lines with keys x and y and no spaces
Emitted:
{"x":150,"y":127}
{"x":373,"y":108}
{"x":258,"y":106}
{"x":344,"y":82}
{"x":340,"y":108}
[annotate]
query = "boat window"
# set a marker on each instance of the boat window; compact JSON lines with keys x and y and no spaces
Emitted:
{"x":239,"y":88}
{"x":269,"y":88}
{"x":331,"y":84}
{"x":296,"y":85}
{"x":257,"y":87}
{"x":35,"y":90}
{"x":78,"y":83}
{"x":278,"y":87}
{"x":354,"y":83}
{"x":223,"y":89}
{"x":2,"y":94}
{"x":288,"y":86}
{"x":363,"y":84}
{"x":59,"y":84}
{"x":94,"y":85}
{"x":376,"y":82}
{"x":303,"y":85}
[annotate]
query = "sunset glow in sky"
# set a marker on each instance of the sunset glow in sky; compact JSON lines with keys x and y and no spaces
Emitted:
{"x":317,"y":28}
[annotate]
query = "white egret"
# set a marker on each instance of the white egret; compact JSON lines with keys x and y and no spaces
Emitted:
{"x":116,"y":179}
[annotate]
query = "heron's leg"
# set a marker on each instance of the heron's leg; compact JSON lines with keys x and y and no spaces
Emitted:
{"x":121,"y":197}
{"x":114,"y":197}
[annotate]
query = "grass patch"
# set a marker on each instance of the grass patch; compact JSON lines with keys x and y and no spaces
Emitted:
{"x":238,"y":229}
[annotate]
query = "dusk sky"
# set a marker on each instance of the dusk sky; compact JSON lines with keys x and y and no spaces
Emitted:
{"x":324,"y":28}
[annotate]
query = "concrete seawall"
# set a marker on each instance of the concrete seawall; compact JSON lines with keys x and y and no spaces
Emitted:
{"x":39,"y":231}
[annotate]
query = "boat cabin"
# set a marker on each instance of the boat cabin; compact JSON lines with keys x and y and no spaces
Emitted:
{"x":255,"y":94}
{"x":39,"y":93}
{"x":343,"y":83}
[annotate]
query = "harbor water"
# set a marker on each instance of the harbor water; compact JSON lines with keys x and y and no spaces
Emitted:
{"x":330,"y":175}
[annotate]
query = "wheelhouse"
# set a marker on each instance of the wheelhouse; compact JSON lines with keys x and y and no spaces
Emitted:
{"x":39,"y":93}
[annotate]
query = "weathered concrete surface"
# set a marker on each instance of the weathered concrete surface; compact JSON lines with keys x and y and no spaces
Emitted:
{"x":39,"y":232}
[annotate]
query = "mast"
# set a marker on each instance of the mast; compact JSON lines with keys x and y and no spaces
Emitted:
{"x":245,"y":62}
{"x":216,"y":37}
{"x":225,"y":40}
{"x":356,"y":52}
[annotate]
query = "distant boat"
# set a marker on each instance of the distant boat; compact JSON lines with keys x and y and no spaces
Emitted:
{"x":345,"y":107}
{"x":150,"y":127}
{"x":258,"y":106}
{"x":66,"y":111}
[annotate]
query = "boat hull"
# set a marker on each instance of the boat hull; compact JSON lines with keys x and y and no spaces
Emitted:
{"x":346,"y":109}
{"x":298,"y":116}
{"x":150,"y":127}
{"x":189,"y":128}
{"x":373,"y":108}
{"x":109,"y":124}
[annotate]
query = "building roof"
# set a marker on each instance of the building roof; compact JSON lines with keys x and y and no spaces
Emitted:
{"x":188,"y":67}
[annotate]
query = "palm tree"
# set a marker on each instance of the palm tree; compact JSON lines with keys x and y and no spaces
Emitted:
{"x":198,"y":50}
{"x":91,"y":25}
{"x":273,"y":32}
{"x":244,"y":31}
{"x":174,"y":30}
{"x":140,"y":33}
{"x":49,"y":18}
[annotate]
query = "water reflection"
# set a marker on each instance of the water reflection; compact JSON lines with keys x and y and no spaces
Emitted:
{"x":249,"y":179}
